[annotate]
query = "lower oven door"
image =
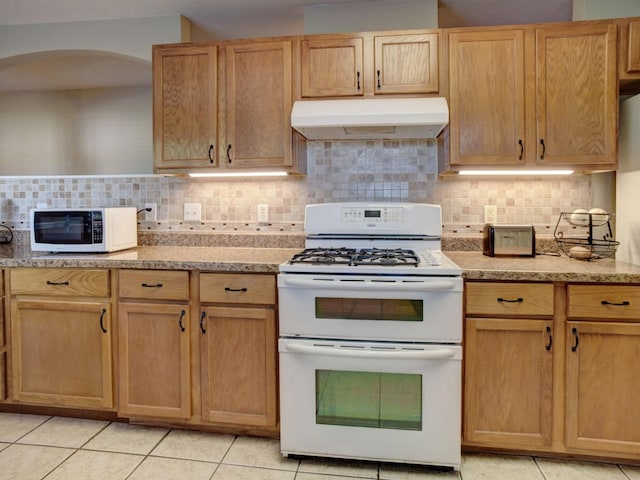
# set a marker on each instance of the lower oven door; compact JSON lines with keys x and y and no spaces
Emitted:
{"x":373,"y":401}
{"x":389,"y":308}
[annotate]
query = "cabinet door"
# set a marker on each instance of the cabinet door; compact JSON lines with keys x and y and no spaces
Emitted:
{"x":508,"y":382}
{"x":258,"y":105}
{"x":577,"y":95}
{"x":239,"y":365}
{"x":406,"y":63}
{"x":629,"y":51}
{"x":184,"y":106}
{"x":332,"y":67}
{"x":487,"y":98}
{"x":62,"y":352}
{"x":153,"y":360}
{"x":602,"y":387}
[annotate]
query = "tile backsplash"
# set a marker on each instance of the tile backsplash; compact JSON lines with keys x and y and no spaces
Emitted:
{"x":338,"y":171}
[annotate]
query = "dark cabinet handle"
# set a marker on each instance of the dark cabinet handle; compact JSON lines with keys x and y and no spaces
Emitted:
{"x":182,"y":313}
{"x":227,"y":289}
{"x":203,"y":315}
{"x":544,"y":149}
{"x":521,"y":149}
{"x":574,"y":347}
{"x":378,"y":75}
{"x":210,"y":153}
{"x":620,"y":304}
{"x":548,"y":345}
{"x":506,"y":300}
{"x":358,"y":77}
{"x":102,"y":314}
{"x":49,"y":282}
{"x":229,"y":153}
{"x":152,"y":285}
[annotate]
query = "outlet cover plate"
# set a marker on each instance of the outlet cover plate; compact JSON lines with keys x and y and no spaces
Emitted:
{"x":192,"y":212}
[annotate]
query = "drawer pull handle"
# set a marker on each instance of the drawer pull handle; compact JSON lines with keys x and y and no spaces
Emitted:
{"x":358,"y":76}
{"x":152,"y":285}
{"x":102,"y":314}
{"x":182,"y":313}
{"x":621,"y":304}
{"x":203,"y":315}
{"x":227,"y":289}
{"x":521,"y":149}
{"x":506,"y":300}
{"x":548,"y":345}
{"x":378,"y":75}
{"x":49,"y":282}
{"x":574,"y":347}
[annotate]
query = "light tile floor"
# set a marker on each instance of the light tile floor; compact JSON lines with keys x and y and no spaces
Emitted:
{"x":34,"y":447}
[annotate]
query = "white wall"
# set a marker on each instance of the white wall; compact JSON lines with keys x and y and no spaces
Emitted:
{"x":593,"y":9}
{"x":370,"y":15}
{"x":81,"y":132}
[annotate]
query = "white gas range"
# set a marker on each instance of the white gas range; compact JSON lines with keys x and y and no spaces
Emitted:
{"x":370,"y":317}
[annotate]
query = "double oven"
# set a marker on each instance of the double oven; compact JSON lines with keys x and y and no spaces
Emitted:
{"x":370,"y":337}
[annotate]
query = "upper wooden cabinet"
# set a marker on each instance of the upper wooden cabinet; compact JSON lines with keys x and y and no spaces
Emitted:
{"x":184,"y":106}
{"x":487,"y":97}
{"x":258,"y":105}
{"x":629,"y":55}
{"x":538,"y":96}
{"x":369,"y":64}
{"x":332,"y":67}
{"x":225,"y":106}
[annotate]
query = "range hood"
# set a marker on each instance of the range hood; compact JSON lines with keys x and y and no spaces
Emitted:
{"x":370,"y":118}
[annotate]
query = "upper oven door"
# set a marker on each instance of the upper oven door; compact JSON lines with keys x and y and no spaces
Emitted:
{"x":415,"y":309}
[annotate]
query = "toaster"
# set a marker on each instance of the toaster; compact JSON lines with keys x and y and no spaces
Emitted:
{"x":509,"y":240}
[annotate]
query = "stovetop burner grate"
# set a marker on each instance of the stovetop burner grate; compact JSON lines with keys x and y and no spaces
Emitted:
{"x":353,"y":257}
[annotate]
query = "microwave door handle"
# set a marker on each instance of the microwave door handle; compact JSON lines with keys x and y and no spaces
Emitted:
{"x":436,"y":285}
{"x":438,"y":354}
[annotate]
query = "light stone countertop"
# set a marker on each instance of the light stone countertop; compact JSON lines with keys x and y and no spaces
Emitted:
{"x":549,"y":268}
{"x":220,"y":259}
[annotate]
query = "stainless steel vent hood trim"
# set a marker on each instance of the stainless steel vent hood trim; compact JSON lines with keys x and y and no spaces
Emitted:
{"x":370,"y":118}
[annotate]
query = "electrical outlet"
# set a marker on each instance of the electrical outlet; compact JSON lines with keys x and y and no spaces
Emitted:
{"x":192,"y":212}
{"x":151,"y":216}
{"x":490,"y":214}
{"x":263,"y":213}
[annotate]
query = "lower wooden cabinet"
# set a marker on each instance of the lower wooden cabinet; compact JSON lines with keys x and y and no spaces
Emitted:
{"x":238,"y":349}
{"x":154,"y":364}
{"x":238,"y":361}
{"x":527,"y":391}
{"x":602,"y":414}
{"x":62,"y":352}
{"x":154,"y":371}
{"x":508,"y":382}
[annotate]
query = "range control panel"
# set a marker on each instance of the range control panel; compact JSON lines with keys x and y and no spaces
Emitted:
{"x":372,"y":215}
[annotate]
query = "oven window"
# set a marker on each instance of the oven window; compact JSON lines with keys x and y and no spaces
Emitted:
{"x":369,"y":399}
{"x":401,"y":310}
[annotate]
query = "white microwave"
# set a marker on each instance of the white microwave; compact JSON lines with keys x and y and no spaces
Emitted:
{"x":83,"y":230}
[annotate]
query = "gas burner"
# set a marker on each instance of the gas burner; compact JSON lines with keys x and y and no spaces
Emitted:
{"x":342,"y":256}
{"x":386,"y":256}
{"x":352,"y":257}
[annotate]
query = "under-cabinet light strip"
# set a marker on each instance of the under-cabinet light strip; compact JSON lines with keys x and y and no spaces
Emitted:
{"x":515,"y":172}
{"x":240,"y":174}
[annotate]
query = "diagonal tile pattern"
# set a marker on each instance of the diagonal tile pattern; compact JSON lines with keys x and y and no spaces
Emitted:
{"x":34,"y":447}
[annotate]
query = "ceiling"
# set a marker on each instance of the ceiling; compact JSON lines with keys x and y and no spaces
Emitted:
{"x":213,"y":19}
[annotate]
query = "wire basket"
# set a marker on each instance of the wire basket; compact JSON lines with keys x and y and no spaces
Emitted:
{"x":590,"y":233}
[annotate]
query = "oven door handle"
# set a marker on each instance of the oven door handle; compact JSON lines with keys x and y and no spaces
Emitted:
{"x":437,"y":354}
{"x":368,"y":285}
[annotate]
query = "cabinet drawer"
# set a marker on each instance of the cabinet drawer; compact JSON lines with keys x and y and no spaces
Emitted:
{"x":237,"y":288}
{"x":620,"y":302}
{"x":508,"y":299}
{"x":154,"y":284}
{"x":60,"y":282}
